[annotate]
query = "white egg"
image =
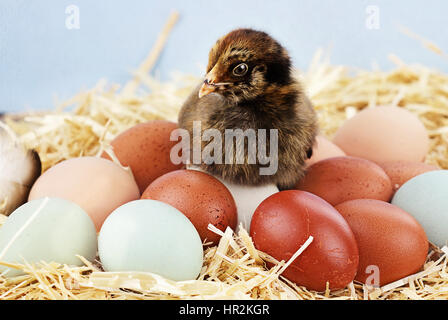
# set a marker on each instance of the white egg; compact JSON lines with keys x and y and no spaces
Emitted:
{"x":247,"y":199}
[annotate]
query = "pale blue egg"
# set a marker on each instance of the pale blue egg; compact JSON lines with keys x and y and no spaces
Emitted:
{"x":47,"y":229}
{"x":150,"y":236}
{"x":425,"y":197}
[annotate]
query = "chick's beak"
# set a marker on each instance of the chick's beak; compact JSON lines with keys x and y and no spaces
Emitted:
{"x":206,"y":88}
{"x":210,"y":83}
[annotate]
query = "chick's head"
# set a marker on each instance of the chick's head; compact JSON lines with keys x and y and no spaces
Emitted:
{"x":243,"y":64}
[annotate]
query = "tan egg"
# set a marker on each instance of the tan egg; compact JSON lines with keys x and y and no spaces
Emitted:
{"x":384,"y":134}
{"x":324,"y":149}
{"x":97,"y":185}
{"x":400,"y":172}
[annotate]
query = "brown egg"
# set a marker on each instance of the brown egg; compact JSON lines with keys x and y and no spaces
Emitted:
{"x":392,"y":244}
{"x":146,"y":149}
{"x":382,"y":134}
{"x":400,"y":172}
{"x":346,"y":178}
{"x":324,"y":149}
{"x":201,"y":197}
{"x":283,"y":222}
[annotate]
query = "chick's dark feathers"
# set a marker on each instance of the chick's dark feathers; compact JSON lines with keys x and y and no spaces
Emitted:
{"x":254,"y":46}
{"x":266,"y":97}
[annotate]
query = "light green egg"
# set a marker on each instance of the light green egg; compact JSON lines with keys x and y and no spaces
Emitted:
{"x":47,"y":229}
{"x":150,"y":236}
{"x":425,"y":197}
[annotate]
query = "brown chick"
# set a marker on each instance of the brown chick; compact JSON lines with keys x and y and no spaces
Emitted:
{"x":249,"y":85}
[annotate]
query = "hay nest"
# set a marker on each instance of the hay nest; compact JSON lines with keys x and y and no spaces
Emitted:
{"x":84,"y":125}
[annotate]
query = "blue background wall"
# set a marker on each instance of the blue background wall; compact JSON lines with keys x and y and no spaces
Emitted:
{"x":40,"y":57}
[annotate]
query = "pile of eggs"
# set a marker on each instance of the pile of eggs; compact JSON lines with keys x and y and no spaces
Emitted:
{"x":367,"y":199}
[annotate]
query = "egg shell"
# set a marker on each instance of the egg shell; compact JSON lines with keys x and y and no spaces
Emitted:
{"x":400,"y":172}
{"x":324,"y":149}
{"x":425,"y":197}
{"x":50,"y":230}
{"x":284,"y":221}
{"x":346,"y":178}
{"x":97,"y":185}
{"x":151,"y":236}
{"x":201,"y":197}
{"x":146,"y":148}
{"x":247,"y":199}
{"x":383,"y":134}
{"x":389,"y":239}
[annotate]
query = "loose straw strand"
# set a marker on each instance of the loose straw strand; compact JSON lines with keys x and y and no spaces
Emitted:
{"x":153,"y":56}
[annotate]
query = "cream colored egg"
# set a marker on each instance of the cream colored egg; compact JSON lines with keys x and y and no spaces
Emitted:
{"x":97,"y":185}
{"x":324,"y":149}
{"x":384,"y":134}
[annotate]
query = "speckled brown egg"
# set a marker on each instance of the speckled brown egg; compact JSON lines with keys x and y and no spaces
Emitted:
{"x":346,"y":178}
{"x":146,"y":148}
{"x":400,"y":172}
{"x":391,"y":243}
{"x":201,"y":197}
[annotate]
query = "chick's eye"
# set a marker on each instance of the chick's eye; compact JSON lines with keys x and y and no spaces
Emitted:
{"x":240,"y":70}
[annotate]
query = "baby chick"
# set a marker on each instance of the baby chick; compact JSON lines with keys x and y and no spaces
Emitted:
{"x":249,"y":85}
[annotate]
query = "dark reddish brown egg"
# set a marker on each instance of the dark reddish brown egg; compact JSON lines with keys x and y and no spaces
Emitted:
{"x":400,"y":172}
{"x":346,"y":178}
{"x":201,"y":197}
{"x":146,"y":148}
{"x":283,"y":222}
{"x":392,"y":244}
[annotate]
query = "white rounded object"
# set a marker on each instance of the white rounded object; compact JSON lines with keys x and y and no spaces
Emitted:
{"x":247,"y":199}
